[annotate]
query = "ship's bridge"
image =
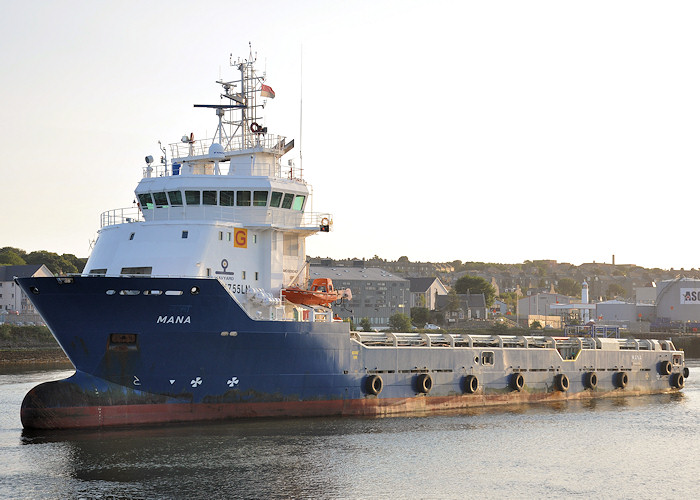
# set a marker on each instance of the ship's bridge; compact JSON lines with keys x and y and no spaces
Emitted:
{"x":256,"y":190}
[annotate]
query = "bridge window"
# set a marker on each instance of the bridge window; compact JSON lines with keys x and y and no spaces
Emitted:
{"x":259,"y":198}
{"x":161,"y":199}
{"x":175,"y":198}
{"x":287,"y":201}
{"x":145,"y":201}
{"x":275,"y":199}
{"x":226,"y":198}
{"x":242,"y":198}
{"x":208,"y":197}
{"x":192,"y":197}
{"x":137,"y":270}
{"x":299,"y":202}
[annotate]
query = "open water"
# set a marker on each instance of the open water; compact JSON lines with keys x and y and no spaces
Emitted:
{"x":636,"y":447}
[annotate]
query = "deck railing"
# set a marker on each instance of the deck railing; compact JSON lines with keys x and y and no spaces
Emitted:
{"x":389,"y":339}
{"x":247,"y":216}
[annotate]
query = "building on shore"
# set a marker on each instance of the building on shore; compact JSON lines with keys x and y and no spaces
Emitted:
{"x":15,"y":307}
{"x":425,"y":292}
{"x":376,"y":294}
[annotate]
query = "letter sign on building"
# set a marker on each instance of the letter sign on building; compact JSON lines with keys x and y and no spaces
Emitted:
{"x":240,"y":238}
{"x":690,"y":295}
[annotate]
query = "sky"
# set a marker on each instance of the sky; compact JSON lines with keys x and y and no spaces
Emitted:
{"x":497,"y":131}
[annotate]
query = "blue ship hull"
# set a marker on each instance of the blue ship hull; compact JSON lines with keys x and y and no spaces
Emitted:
{"x":151,"y":350}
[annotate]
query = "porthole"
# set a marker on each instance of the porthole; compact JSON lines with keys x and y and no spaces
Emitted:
{"x":194,"y":290}
{"x":111,"y":292}
{"x":34,"y":290}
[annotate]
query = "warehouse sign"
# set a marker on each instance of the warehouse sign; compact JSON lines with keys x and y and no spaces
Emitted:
{"x":690,"y":295}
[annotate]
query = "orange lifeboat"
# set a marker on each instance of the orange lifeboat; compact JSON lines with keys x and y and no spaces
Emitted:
{"x":322,"y":293}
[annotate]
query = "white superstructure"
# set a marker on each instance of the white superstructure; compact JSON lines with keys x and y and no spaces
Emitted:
{"x":224,"y":208}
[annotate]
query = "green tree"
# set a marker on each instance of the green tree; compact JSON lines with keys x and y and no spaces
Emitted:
{"x":536,"y":325}
{"x":510,"y":298}
{"x":458,"y":266}
{"x":420,"y":316}
{"x":10,"y":257}
{"x":365,"y":325}
{"x":567,"y":286}
{"x":53,"y":261}
{"x":452,"y":301}
{"x":476,"y":284}
{"x":399,"y":322}
{"x":615,"y":290}
{"x":78,"y":262}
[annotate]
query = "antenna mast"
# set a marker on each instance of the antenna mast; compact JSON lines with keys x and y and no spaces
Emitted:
{"x":301,"y":109}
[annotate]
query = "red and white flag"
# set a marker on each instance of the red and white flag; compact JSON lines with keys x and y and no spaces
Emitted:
{"x":267,"y":91}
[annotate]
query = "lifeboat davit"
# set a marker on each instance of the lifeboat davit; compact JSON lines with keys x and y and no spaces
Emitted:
{"x":321,"y":293}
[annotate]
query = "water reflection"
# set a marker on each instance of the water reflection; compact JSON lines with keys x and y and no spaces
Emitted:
{"x":506,"y":452}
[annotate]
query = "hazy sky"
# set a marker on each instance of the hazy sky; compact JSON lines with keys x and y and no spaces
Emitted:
{"x":494,"y":131}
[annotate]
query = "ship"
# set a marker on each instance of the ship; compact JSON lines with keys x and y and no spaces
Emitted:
{"x":181,"y":313}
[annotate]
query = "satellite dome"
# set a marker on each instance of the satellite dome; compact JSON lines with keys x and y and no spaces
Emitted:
{"x":216,"y":150}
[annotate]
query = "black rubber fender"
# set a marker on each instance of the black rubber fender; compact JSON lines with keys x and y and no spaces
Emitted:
{"x":621,"y":380}
{"x":374,"y":385}
{"x":590,"y":380}
{"x":678,"y":380}
{"x":424,"y":383}
{"x":517,"y":382}
{"x":665,"y":368}
{"x":561,"y":382}
{"x":471,"y":384}
{"x":686,"y":372}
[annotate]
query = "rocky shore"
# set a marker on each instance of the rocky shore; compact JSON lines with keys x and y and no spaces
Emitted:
{"x":41,"y":356}
{"x":30,"y":346}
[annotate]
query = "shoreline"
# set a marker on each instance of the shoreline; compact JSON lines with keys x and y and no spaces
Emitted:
{"x":39,"y":357}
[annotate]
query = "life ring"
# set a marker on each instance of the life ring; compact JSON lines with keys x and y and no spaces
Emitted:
{"x":255,"y":128}
{"x":665,"y":368}
{"x":471,"y":384}
{"x":621,"y":380}
{"x":374,"y":384}
{"x":590,"y":380}
{"x":517,"y":382}
{"x":562,"y":382}
{"x":424,"y":382}
{"x":324,"y":221}
{"x":678,"y":381}
{"x":686,"y":372}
